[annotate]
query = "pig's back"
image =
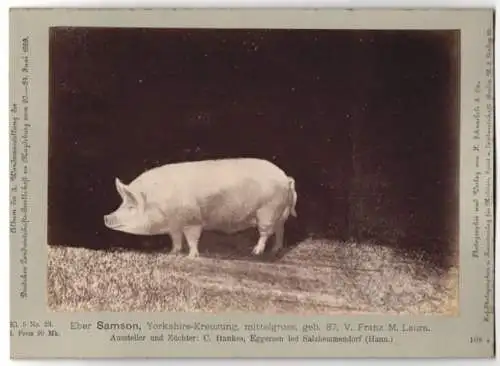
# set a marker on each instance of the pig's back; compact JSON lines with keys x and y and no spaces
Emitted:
{"x":202,"y":179}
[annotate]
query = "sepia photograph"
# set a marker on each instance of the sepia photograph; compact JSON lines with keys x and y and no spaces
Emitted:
{"x":270,"y":171}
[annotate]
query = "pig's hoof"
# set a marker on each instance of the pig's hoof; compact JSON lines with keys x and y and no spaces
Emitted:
{"x":175,"y":251}
{"x":257,"y":250}
{"x":193,"y":255}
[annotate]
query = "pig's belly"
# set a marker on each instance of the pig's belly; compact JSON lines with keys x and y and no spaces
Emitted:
{"x":229,"y":225}
{"x":229,"y":213}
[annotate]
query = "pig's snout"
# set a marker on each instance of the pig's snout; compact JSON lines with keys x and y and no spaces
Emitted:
{"x":110,"y":220}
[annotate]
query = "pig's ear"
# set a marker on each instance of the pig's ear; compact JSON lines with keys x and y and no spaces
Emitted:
{"x":120,"y":187}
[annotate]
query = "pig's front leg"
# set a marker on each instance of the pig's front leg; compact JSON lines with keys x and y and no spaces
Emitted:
{"x":192,"y":234}
{"x":176,"y":242}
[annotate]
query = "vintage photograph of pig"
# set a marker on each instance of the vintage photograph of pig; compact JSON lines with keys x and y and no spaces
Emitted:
{"x":255,"y":170}
{"x":227,"y":195}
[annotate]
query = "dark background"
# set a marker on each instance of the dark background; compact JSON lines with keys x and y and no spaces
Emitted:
{"x":365,"y":121}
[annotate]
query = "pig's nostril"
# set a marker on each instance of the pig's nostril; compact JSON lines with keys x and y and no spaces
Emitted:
{"x":110,"y":221}
{"x":107,"y":220}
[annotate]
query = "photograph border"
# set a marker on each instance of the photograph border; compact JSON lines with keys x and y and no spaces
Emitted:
{"x":38,"y":333}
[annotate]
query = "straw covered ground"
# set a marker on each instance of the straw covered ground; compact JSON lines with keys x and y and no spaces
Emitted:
{"x":314,"y":277}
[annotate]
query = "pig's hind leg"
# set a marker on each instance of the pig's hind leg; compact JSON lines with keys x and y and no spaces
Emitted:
{"x":261,"y":244}
{"x":278,"y":236}
{"x":265,"y":225}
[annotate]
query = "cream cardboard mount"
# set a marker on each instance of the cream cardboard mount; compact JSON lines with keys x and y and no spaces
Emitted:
{"x":251,"y":183}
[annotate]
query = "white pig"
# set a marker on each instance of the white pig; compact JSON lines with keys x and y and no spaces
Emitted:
{"x":227,"y":195}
